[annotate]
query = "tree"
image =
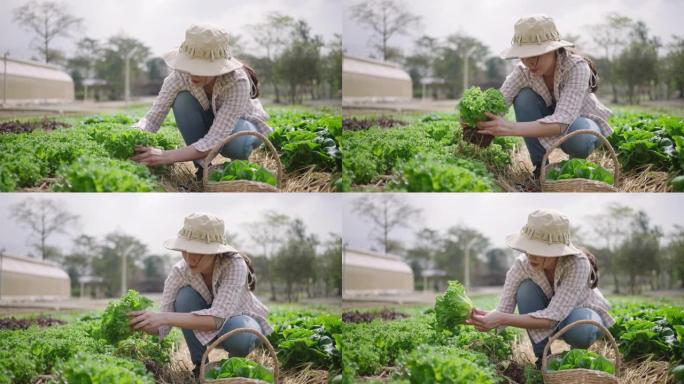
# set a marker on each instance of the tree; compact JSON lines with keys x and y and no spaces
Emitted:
{"x":675,"y":65}
{"x":332,"y":67}
{"x":108,"y":265}
{"x":294,"y":262}
{"x":637,"y":64}
{"x":48,"y":20}
{"x":385,"y":212}
{"x":676,"y":250}
{"x":611,"y":228}
{"x":385,"y":18}
{"x":452,"y":257}
{"x":299,"y":63}
{"x":43,"y":218}
{"x":112,"y":66}
{"x":329,"y":264}
{"x":638,"y":253}
{"x":269,"y":233}
{"x":611,"y":37}
{"x":272,"y":36}
{"x":449,"y":65}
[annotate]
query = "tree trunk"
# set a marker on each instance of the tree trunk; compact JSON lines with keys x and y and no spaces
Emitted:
{"x":273,"y":291}
{"x":615,"y":92}
{"x":277,"y":92}
{"x":616,"y":281}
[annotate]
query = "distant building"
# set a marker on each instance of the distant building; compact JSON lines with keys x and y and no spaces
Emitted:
{"x":31,"y":82}
{"x":372,"y":273}
{"x":28,"y":278}
{"x":374,"y":79}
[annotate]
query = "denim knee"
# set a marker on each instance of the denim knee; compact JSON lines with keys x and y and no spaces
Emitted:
{"x":581,"y":336}
{"x":581,"y":146}
{"x":188,"y":300}
{"x":241,"y":147}
{"x":529,"y":106}
{"x":183,"y":100}
{"x":240,"y":344}
{"x":530,"y":297}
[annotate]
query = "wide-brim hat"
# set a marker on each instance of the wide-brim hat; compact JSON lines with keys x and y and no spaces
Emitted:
{"x":547,"y":234}
{"x":205,"y":52}
{"x":202,"y":233}
{"x":533,"y":36}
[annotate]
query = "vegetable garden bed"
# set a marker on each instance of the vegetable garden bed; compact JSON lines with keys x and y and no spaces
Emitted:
{"x":91,"y":154}
{"x":416,"y":349}
{"x":98,"y":347}
{"x":429,"y":154}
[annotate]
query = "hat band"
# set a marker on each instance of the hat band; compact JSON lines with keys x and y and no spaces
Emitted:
{"x":206,"y":53}
{"x":202,"y":236}
{"x":546,"y":236}
{"x":535,"y":39}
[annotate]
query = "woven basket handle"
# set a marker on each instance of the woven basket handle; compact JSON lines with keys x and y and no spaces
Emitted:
{"x":214,"y":151}
{"x":572,"y":325}
{"x":264,"y":341}
{"x":613,"y":156}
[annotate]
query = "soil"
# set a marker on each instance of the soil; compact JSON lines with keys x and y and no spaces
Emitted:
{"x":13,"y":323}
{"x":16,"y":126}
{"x":354,"y":124}
{"x":365,"y":317}
{"x":470,"y":135}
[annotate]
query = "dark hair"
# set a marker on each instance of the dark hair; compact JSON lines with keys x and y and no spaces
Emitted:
{"x":594,"y":78}
{"x":594,"y":276}
{"x":254,"y":81}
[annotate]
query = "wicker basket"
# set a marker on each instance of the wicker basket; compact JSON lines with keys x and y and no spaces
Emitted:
{"x":579,"y":185}
{"x":580,"y":375}
{"x":242,"y":185}
{"x":206,"y":366}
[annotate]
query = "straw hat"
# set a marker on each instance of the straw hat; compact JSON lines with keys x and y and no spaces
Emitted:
{"x":201,"y":233}
{"x":547,"y":234}
{"x":205,"y":52}
{"x":533,"y":36}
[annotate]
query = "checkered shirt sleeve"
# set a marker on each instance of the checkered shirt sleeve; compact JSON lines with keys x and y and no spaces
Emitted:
{"x":234,"y":105}
{"x":174,"y":282}
{"x":514,"y":277}
{"x":515,"y":81}
{"x":173,"y":83}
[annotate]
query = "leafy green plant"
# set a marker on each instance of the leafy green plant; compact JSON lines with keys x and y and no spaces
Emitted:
{"x":475,"y":103}
{"x":453,"y":307}
{"x":441,"y":364}
{"x":580,"y":358}
{"x":580,"y":168}
{"x":114,"y":325}
{"x":102,"y":369}
{"x":307,"y":339}
{"x":239,"y":367}
{"x":93,"y":174}
{"x":243,"y":170}
{"x":425,"y":175}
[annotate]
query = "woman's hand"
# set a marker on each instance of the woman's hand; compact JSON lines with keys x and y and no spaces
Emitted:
{"x":496,"y":126}
{"x":151,"y":156}
{"x":146,"y":321}
{"x":484,"y":321}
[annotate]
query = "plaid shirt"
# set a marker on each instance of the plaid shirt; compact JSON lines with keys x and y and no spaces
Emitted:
{"x":570,"y":290}
{"x":230,"y":101}
{"x":571,"y":94}
{"x":232,"y":295}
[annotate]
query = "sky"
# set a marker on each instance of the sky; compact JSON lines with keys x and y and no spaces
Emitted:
{"x":492,"y":21}
{"x":161,"y":24}
{"x":155,"y":217}
{"x":499,"y":214}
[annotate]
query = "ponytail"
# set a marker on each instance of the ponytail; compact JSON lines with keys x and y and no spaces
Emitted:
{"x":594,"y":78}
{"x":594,"y":275}
{"x":253,"y":80}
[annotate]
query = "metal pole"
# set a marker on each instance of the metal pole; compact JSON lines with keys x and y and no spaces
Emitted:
{"x":124,"y":288}
{"x":465,"y":67}
{"x":127,"y":79}
{"x":4,"y":80}
{"x":466,"y":272}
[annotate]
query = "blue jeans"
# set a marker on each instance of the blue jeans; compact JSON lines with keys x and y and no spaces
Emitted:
{"x":194,"y":123}
{"x":531,"y":298}
{"x":529,"y":106}
{"x":240,"y":345}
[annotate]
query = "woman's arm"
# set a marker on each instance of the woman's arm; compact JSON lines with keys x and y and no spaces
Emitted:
{"x":150,"y":322}
{"x":484,"y":321}
{"x":498,"y":126}
{"x":155,"y":156}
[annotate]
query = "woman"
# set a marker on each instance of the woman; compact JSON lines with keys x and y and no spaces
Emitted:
{"x":208,"y":293}
{"x":552,"y":283}
{"x":212,"y":95}
{"x":552,"y":92}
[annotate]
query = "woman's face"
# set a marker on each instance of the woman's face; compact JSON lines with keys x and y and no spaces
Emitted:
{"x":201,"y":81}
{"x":541,"y":263}
{"x":542,"y":64}
{"x":199,"y":263}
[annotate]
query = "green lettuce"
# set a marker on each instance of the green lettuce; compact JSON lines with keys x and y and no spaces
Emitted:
{"x":453,"y":307}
